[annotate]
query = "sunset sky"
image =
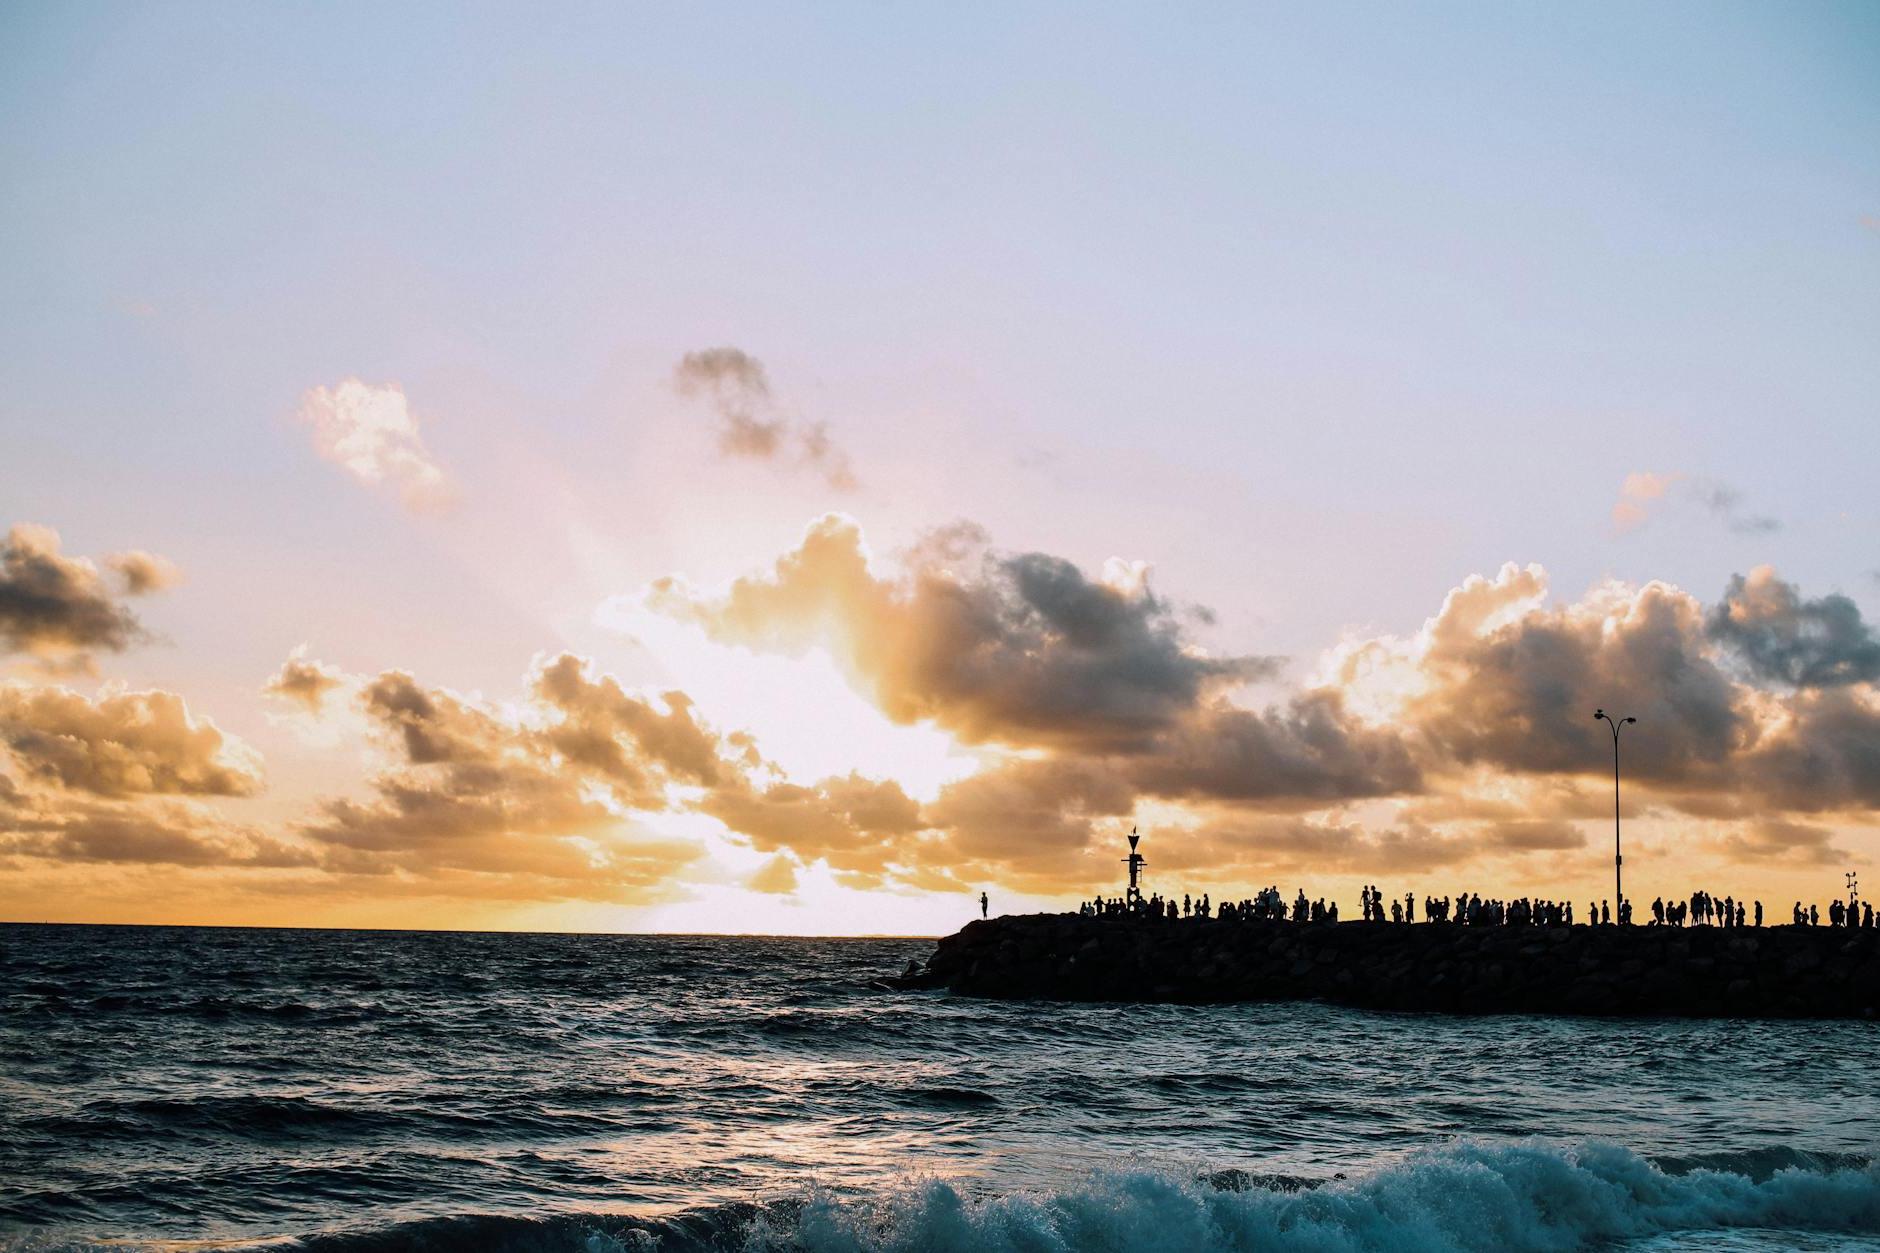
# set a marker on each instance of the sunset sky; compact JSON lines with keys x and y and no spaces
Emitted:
{"x":733,"y":469}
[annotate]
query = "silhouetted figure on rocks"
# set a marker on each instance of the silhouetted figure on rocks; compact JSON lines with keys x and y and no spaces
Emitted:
{"x":984,"y":903}
{"x":1759,"y":913}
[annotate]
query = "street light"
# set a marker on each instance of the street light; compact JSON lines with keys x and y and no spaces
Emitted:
{"x":1618,"y":860}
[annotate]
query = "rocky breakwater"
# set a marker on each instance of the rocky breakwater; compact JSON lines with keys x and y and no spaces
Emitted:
{"x":1810,"y":972}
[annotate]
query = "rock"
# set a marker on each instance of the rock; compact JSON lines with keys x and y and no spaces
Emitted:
{"x":1771,"y":972}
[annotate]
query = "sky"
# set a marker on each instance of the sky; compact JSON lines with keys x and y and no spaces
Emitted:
{"x":718,"y":468}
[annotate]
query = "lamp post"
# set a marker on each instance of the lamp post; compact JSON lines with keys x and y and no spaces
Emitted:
{"x":1618,"y":859}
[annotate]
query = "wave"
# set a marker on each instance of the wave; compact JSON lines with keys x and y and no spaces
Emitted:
{"x":276,"y":1119}
{"x":1460,"y":1198}
{"x":1457,"y":1199}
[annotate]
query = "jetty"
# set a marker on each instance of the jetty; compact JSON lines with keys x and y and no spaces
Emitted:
{"x":1440,"y":967}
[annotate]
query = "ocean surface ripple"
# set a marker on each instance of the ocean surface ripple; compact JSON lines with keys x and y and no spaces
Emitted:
{"x":371,"y":1090}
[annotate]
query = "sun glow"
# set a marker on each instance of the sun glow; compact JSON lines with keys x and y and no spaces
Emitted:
{"x":802,"y":711}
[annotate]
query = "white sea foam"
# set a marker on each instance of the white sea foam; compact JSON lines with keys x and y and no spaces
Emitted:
{"x":1463,"y":1197}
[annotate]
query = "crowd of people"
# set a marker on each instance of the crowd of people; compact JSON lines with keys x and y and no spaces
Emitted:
{"x":1468,"y":909}
{"x":1266,"y":905}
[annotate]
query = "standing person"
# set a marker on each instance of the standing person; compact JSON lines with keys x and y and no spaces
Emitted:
{"x":983,"y":902}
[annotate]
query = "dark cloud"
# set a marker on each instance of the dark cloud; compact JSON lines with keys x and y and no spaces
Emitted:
{"x":1822,"y":754}
{"x":1023,"y":650}
{"x":1785,"y":638}
{"x":125,"y":744}
{"x":56,"y":606}
{"x":1502,"y":683}
{"x":1519,"y":695}
{"x":1726,"y":503}
{"x":737,"y":388}
{"x":1641,"y":494}
{"x":1305,"y":753}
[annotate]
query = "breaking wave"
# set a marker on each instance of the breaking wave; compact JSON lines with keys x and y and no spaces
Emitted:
{"x":1456,"y":1199}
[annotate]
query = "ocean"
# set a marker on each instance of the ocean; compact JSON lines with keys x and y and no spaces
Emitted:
{"x":334,"y":1090}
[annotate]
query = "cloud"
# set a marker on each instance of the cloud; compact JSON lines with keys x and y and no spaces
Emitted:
{"x":1640,"y":493}
{"x":1304,"y":753}
{"x":1031,"y":820}
{"x":122,"y":744}
{"x":1023,"y":649}
{"x":120,"y":778}
{"x":1502,"y":682}
{"x":1533,"y":835}
{"x":632,"y":743}
{"x":165,"y":833}
{"x":853,"y":823}
{"x":737,"y":388}
{"x":482,"y":797}
{"x":57,"y":607}
{"x":370,"y":432}
{"x":776,"y":876}
{"x":1519,"y":694}
{"x":1468,"y":743}
{"x":1759,"y":843}
{"x":1785,"y":638}
{"x":1257,"y":846}
{"x":1815,"y":752}
{"x":1636,"y":496}
{"x":1726,"y":503}
{"x":1093,"y":680}
{"x":304,"y":682}
{"x":142,"y":572}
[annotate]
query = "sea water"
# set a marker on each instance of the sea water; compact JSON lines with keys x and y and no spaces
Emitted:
{"x":368,"y":1090}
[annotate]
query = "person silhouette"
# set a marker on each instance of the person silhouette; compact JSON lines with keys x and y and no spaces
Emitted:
{"x":982,"y":904}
